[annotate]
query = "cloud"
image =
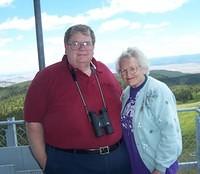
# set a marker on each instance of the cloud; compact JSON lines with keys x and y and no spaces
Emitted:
{"x":170,"y":45}
{"x":184,"y":44}
{"x":135,"y":6}
{"x":120,"y":23}
{"x":113,"y":7}
{"x":4,"y":3}
{"x":101,"y":13}
{"x":156,"y":26}
{"x":146,"y":6}
{"x":4,"y":42}
{"x":51,"y":22}
{"x":18,"y":60}
{"x":113,"y":25}
{"x":18,"y":24}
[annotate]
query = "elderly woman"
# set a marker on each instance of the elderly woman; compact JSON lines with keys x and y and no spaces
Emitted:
{"x":149,"y":118}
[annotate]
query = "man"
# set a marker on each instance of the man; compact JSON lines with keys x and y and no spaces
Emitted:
{"x":72,"y":112}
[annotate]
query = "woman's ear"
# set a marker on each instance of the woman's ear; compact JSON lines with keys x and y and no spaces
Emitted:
{"x":145,"y":70}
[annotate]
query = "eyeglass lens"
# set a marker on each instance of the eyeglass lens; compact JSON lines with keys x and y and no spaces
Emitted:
{"x":75,"y":45}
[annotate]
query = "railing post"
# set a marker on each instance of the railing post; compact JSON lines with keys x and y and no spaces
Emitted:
{"x":8,"y":169}
{"x":198,"y":140}
{"x":11,"y":133}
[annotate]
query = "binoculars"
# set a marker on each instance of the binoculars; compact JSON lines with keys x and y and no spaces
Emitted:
{"x":101,"y":123}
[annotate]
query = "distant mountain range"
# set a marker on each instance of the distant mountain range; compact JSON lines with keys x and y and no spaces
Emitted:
{"x":182,"y":63}
{"x":11,"y":79}
{"x":175,"y":77}
{"x":175,"y":65}
{"x":182,"y":59}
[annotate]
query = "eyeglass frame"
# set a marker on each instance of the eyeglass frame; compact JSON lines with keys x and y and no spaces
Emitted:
{"x":132,"y":70}
{"x":85,"y":44}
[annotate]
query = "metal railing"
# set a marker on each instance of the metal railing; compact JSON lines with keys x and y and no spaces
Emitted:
{"x":189,"y":161}
{"x":12,"y":133}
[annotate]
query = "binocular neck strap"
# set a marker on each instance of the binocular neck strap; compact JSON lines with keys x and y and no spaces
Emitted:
{"x":74,"y":77}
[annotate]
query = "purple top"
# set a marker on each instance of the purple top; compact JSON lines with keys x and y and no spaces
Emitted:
{"x":137,"y":164}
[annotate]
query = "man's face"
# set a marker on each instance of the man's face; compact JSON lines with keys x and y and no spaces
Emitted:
{"x":79,"y":50}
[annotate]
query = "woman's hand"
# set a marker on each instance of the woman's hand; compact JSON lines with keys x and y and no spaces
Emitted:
{"x":157,"y":172}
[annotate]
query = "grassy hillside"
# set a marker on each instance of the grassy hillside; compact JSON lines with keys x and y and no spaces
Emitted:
{"x":162,"y":74}
{"x":12,"y":99}
{"x":17,"y":89}
{"x":188,"y":79}
{"x":176,"y":78}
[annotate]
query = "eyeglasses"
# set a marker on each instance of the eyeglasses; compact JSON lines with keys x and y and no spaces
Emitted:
{"x":75,"y":45}
{"x":131,"y":70}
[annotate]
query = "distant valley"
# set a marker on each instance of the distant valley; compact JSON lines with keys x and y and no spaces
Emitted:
{"x":184,"y":64}
{"x":11,"y":79}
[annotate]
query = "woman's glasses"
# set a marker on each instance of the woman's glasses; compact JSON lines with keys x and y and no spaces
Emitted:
{"x":131,"y":70}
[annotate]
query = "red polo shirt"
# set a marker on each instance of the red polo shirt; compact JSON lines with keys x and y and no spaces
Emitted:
{"x":54,"y":101}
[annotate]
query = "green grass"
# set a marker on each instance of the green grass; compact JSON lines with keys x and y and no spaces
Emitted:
{"x":189,"y":105}
{"x":188,"y":129}
{"x":189,"y":171}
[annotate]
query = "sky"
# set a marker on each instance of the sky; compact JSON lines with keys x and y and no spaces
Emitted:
{"x":159,"y":28}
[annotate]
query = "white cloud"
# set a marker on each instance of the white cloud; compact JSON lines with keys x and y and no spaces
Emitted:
{"x":19,"y":37}
{"x":101,"y":13}
{"x":114,"y":25}
{"x":51,"y":22}
{"x":135,"y":25}
{"x":4,"y":3}
{"x":170,"y":45}
{"x":18,"y":60}
{"x":135,"y":6}
{"x":146,"y":6}
{"x":120,"y":23}
{"x":152,"y":45}
{"x":18,"y":24}
{"x":4,"y":42}
{"x":156,"y":26}
{"x":53,"y":55}
{"x":5,"y":53}
{"x":185,"y":44}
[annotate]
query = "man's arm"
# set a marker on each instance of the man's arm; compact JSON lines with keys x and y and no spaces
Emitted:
{"x":36,"y":140}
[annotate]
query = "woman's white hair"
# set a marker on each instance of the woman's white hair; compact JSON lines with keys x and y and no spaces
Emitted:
{"x":136,"y":54}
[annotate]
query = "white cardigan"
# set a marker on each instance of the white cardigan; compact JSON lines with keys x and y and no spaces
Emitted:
{"x":155,"y":125}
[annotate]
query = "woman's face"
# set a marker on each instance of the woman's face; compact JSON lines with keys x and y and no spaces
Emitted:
{"x":79,"y":50}
{"x":131,"y":72}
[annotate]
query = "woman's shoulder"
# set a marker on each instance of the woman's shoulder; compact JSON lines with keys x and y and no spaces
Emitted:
{"x":158,"y":85}
{"x":158,"y":88}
